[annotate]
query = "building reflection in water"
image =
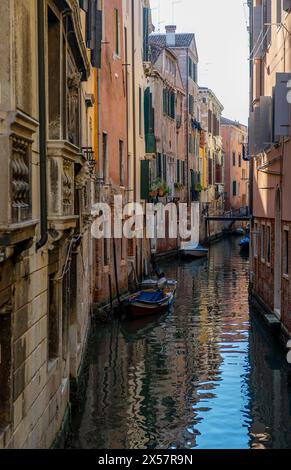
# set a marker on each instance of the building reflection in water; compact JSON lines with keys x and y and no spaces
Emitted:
{"x":203,"y":376}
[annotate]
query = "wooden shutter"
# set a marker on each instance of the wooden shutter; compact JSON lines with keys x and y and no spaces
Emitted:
{"x":282,"y":107}
{"x":258,"y":32}
{"x":97,"y":44}
{"x":144,"y":180}
{"x":165,"y":168}
{"x":146,"y":34}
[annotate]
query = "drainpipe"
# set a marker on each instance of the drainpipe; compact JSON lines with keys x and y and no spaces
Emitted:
{"x":42,"y":125}
{"x":187,"y":126}
{"x":133,"y":96}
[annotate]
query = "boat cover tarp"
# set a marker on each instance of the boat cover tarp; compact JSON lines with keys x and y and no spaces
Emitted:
{"x":150,"y":297}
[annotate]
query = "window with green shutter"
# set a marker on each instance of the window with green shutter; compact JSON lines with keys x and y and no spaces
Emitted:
{"x":159,"y":166}
{"x":165,"y":168}
{"x":234,"y":189}
{"x":233,"y":158}
{"x":144,"y":179}
{"x":239,"y":160}
{"x":178,"y":172}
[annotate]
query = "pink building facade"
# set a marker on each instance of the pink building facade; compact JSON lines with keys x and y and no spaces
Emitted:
{"x":236,"y":166}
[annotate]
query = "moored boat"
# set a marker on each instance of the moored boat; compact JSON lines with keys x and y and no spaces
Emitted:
{"x":146,"y":303}
{"x":245,"y":245}
{"x":194,"y":251}
{"x":154,"y":284}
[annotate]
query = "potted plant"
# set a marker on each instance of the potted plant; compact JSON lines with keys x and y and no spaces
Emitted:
{"x":179,"y":186}
{"x":198,"y":188}
{"x":159,"y":188}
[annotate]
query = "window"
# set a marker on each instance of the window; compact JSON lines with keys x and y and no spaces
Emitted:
{"x":286,"y":252}
{"x":116,"y":32}
{"x":178,"y":172}
{"x":191,"y":104}
{"x":159,"y":166}
{"x":210,"y":171}
{"x":140,"y":111}
{"x":255,"y":238}
{"x":279,"y":12}
{"x":121,"y":162}
{"x":165,"y":168}
{"x":233,"y":158}
{"x":105,"y":162}
{"x":239,"y":161}
{"x":263,"y":243}
{"x":268,"y":244}
{"x":169,"y":103}
{"x":190,"y":68}
{"x":146,"y":13}
{"x":183,"y":173}
{"x":54,"y":76}
{"x":234,"y":188}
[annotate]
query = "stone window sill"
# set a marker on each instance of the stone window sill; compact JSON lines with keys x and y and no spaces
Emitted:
{"x":286,"y":277}
{"x":17,"y":233}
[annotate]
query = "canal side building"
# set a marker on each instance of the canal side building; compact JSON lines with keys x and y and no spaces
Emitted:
{"x":269,"y":149}
{"x":47,"y":156}
{"x":212,"y":161}
{"x":164,"y":108}
{"x":183,"y":45}
{"x":236,"y":165}
{"x":137,"y":24}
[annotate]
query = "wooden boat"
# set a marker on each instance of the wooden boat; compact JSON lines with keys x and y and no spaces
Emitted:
{"x":153,"y":284}
{"x":245,"y":243}
{"x":194,"y":251}
{"x":146,"y":303}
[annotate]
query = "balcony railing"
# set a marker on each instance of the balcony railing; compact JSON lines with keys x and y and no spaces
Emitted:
{"x":20,"y":180}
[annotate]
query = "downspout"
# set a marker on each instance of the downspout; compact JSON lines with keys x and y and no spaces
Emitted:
{"x":133,"y":98}
{"x":42,"y":125}
{"x":187,"y":127}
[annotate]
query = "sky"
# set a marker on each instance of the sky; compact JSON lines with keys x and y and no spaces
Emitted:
{"x":222,"y":40}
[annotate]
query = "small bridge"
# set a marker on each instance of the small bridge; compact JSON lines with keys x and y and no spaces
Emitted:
{"x":240,"y":215}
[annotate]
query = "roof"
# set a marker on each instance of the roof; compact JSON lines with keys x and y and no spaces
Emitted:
{"x":203,"y":89}
{"x":230,"y":122}
{"x":182,"y":39}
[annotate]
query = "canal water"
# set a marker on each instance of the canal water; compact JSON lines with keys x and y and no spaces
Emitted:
{"x":206,"y":375}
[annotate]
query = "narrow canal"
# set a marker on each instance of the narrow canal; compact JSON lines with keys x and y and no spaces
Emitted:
{"x":205,"y":376}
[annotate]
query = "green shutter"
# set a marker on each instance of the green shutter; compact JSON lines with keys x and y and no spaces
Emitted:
{"x":147,"y":110}
{"x":144,"y":180}
{"x":165,"y":101}
{"x":165,"y":168}
{"x":146,"y":34}
{"x":178,"y":171}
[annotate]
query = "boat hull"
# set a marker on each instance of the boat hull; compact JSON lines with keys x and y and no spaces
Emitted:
{"x":195,"y":253}
{"x":140,"y":309}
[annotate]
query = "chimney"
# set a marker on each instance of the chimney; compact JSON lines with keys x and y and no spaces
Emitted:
{"x":170,"y":35}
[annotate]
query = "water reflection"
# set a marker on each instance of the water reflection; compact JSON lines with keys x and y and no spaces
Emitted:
{"x":203,"y":376}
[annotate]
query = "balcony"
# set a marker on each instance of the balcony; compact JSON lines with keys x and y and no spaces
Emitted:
{"x":151,"y":144}
{"x":17,"y":228}
{"x":61,"y":158}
